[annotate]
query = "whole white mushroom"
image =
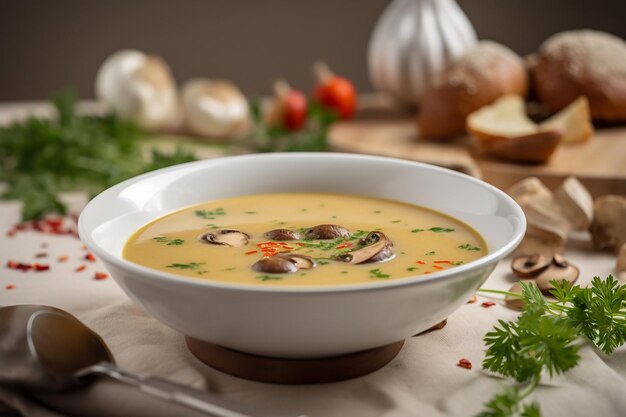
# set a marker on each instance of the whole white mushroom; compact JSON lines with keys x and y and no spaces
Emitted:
{"x":215,"y":108}
{"x":139,"y":87}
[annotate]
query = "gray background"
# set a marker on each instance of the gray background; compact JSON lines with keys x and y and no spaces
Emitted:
{"x":45,"y":45}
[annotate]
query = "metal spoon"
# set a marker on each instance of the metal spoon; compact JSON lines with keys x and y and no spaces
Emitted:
{"x":47,"y":348}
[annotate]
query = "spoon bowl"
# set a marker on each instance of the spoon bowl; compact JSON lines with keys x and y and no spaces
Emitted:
{"x":45,"y":348}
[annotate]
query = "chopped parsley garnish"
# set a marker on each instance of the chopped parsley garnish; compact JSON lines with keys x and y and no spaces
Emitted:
{"x":343,"y":272}
{"x":250,"y":212}
{"x":209,"y":215}
{"x":469,"y":247}
{"x":412,"y":268}
{"x":432,"y":252}
{"x":269,"y":277}
{"x":229,"y":269}
{"x":169,"y":242}
{"x":395,"y":221}
{"x":377,"y":273}
{"x":322,"y":261}
{"x":377,"y":211}
{"x":440,"y":230}
{"x":417,"y":230}
{"x":190,"y":265}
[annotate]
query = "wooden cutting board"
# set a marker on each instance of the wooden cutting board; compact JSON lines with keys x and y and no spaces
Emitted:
{"x":379,"y":129}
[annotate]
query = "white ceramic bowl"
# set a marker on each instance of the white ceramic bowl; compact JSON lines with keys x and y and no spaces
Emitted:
{"x":294,"y":321}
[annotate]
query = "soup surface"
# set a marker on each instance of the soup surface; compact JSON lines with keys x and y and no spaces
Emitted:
{"x":225,"y":240}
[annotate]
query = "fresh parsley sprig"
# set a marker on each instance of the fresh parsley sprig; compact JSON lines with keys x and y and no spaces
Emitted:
{"x":313,"y":137}
{"x":42,"y":157}
{"x":546,"y":337}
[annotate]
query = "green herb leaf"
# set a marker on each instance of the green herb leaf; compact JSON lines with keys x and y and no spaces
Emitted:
{"x":417,"y":230}
{"x":191,"y":265}
{"x":209,"y":215}
{"x":269,"y":277}
{"x":377,"y":273}
{"x":440,"y":230}
{"x":469,"y":247}
{"x":169,"y":242}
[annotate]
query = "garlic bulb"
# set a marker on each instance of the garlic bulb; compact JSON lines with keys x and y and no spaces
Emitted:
{"x":215,"y":108}
{"x":412,"y":42}
{"x":139,"y":87}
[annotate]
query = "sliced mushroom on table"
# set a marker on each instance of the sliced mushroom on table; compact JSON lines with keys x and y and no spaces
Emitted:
{"x":557,"y":269}
{"x":375,"y":247}
{"x":530,"y":265}
{"x":327,"y":231}
{"x":225,"y":237}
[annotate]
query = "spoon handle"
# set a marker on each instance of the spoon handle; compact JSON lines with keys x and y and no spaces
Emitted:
{"x":206,"y":402}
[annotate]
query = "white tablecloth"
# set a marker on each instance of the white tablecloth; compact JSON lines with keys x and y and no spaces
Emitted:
{"x":424,"y":379}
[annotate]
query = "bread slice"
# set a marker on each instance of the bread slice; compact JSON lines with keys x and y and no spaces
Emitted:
{"x":504,"y":131}
{"x":574,"y":121}
{"x":505,"y":118}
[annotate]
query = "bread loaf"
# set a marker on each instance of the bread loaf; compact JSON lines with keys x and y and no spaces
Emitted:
{"x":583,"y":63}
{"x":479,"y":77}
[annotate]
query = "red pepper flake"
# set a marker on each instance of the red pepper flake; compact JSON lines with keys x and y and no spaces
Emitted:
{"x":488,"y":304}
{"x":100,"y":275}
{"x":464,"y":363}
{"x":437,"y":267}
{"x":85,"y":248}
{"x":80,"y":268}
{"x":442,"y":262}
{"x":287,"y":247}
{"x":301,"y":244}
{"x":19,"y":266}
{"x":427,"y":272}
{"x":472,"y":300}
{"x":251,"y":252}
{"x":9,"y":287}
{"x":11,"y":233}
{"x":63,"y":258}
{"x":421,"y":262}
{"x":40,"y":267}
{"x":90,"y":257}
{"x":344,"y":245}
{"x":41,"y":255}
{"x":54,"y":222}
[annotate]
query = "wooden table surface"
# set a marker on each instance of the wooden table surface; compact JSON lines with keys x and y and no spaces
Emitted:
{"x":382,"y":129}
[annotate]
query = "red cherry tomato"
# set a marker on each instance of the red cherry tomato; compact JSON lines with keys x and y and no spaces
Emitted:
{"x":337,"y":93}
{"x":295,"y":110}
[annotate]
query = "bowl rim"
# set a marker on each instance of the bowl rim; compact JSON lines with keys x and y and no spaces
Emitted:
{"x":444,"y":275}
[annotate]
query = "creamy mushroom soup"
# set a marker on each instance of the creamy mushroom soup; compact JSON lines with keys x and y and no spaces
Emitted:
{"x":304,"y":239}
